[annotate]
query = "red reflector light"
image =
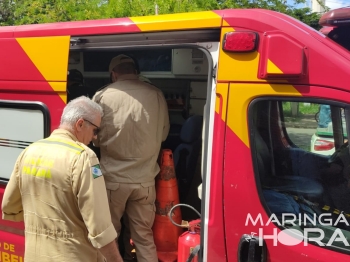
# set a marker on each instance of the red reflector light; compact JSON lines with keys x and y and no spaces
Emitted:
{"x":323,"y":145}
{"x":240,"y":41}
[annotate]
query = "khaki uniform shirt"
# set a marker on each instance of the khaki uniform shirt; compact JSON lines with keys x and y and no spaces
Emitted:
{"x":134,"y":124}
{"x":58,"y":190}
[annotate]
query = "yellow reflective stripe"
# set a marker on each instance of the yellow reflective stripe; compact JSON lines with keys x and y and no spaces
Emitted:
{"x":39,"y":161}
{"x":73,"y":147}
{"x":51,"y":64}
{"x":47,"y":143}
{"x":37,"y":171}
{"x":66,"y":142}
{"x":326,"y":208}
{"x":180,"y":21}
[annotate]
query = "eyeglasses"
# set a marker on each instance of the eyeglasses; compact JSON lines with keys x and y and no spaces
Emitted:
{"x":96,"y":130}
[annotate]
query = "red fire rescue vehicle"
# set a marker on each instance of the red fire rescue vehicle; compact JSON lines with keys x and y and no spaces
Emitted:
{"x":260,"y":195}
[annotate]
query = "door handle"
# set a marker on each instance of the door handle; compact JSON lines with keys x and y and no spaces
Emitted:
{"x":251,"y":249}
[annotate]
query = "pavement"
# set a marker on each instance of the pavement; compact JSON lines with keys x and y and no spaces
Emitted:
{"x":301,"y":121}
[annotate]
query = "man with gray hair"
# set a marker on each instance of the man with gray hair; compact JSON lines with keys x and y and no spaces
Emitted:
{"x":57,"y":188}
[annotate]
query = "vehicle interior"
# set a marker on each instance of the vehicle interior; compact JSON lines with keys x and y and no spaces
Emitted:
{"x":181,"y":72}
{"x":293,"y":180}
{"x":341,"y":36}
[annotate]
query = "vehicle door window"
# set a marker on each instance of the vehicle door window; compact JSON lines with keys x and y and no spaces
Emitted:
{"x":22,"y":123}
{"x":310,"y":126}
{"x":302,"y":163}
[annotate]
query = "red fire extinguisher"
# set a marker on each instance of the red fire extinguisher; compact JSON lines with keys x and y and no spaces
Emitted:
{"x":189,"y":241}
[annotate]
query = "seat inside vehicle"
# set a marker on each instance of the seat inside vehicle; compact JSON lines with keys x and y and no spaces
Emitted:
{"x":270,"y":178}
{"x":187,"y":153}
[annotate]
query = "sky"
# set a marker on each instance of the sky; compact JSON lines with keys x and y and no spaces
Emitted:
{"x":332,"y":4}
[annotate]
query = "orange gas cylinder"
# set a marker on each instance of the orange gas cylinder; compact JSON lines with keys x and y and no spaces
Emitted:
{"x":165,"y":233}
{"x":188,"y":242}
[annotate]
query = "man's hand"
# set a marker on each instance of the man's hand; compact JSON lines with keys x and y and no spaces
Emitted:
{"x":111,"y":252}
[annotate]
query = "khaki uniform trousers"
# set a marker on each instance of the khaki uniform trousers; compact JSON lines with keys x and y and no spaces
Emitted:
{"x":137,"y":202}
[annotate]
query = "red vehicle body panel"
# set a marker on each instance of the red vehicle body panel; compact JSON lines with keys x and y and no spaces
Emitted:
{"x":12,"y":249}
{"x":239,"y":184}
{"x":216,"y":223}
{"x":232,"y":175}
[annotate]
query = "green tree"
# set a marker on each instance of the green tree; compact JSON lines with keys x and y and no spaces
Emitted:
{"x":6,"y":12}
{"x":43,"y":11}
{"x":125,"y":8}
{"x":305,"y":15}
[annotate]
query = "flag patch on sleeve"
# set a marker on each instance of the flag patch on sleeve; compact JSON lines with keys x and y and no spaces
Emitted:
{"x":96,"y":171}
